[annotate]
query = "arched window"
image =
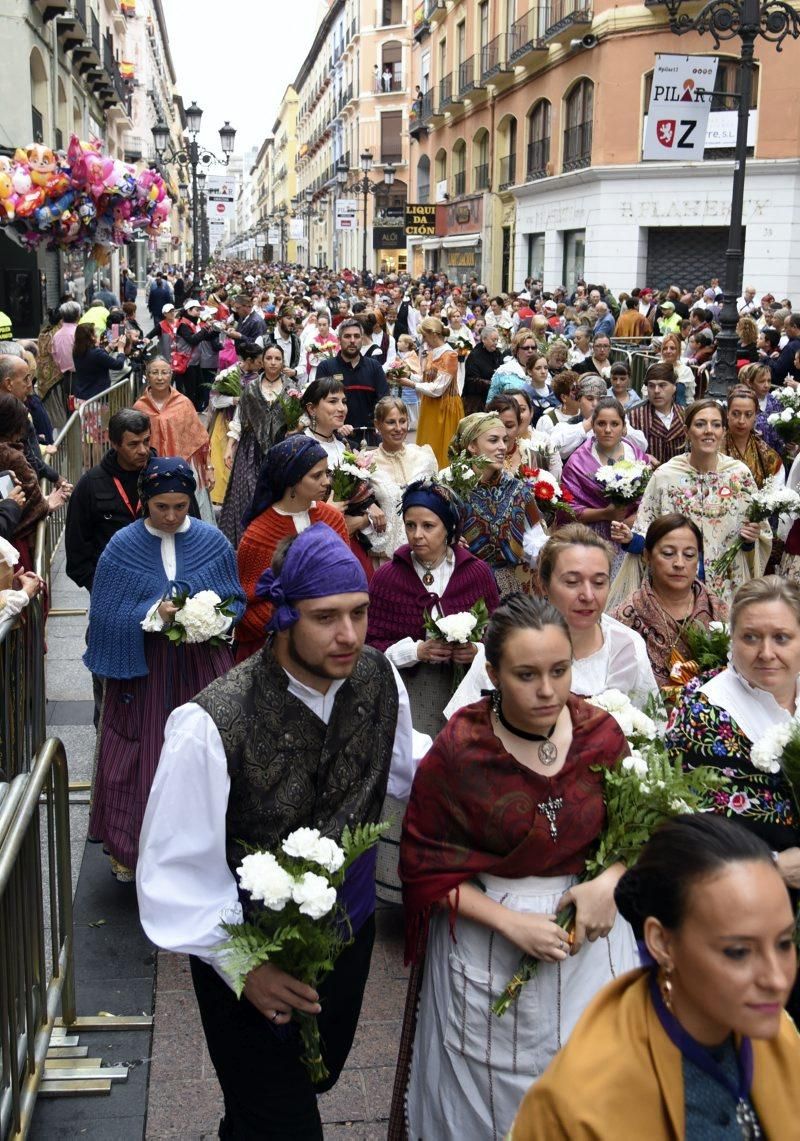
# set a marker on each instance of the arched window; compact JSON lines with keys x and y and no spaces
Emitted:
{"x":578,"y":107}
{"x":480,"y":150}
{"x":507,"y":149}
{"x":391,"y":77}
{"x":459,"y":167}
{"x":440,"y":171}
{"x":40,"y":100}
{"x":538,"y":155}
{"x":423,"y":179}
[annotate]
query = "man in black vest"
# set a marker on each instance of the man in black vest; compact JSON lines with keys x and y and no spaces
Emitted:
{"x":313,"y":731}
{"x":363,"y":378}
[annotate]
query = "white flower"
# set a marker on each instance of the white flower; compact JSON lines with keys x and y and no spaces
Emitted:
{"x":457,"y":627}
{"x":314,"y":895}
{"x":766,"y":753}
{"x":328,"y":855}
{"x":678,"y":805}
{"x":200,"y":617}
{"x":302,"y":843}
{"x":718,"y":627}
{"x":261,"y":875}
{"x":636,"y":763}
{"x":631,"y":720}
{"x":787,"y":415}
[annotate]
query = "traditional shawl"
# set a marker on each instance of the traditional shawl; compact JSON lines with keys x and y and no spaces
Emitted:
{"x":262,"y":417}
{"x":762,"y":460}
{"x":175,"y":427}
{"x":474,"y":809}
{"x":494,"y":520}
{"x":579,"y":471}
{"x":620,"y":1076}
{"x":662,"y":633}
{"x":754,"y":710}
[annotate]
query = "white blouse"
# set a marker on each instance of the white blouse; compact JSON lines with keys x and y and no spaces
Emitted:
{"x":404,"y":653}
{"x":153,"y":623}
{"x":439,"y":385}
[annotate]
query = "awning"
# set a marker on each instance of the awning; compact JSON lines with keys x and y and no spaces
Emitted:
{"x":432,"y":243}
{"x":461,"y":241}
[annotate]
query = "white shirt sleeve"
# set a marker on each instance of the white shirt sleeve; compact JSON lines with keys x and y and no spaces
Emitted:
{"x":475,"y":680}
{"x":184,"y":885}
{"x":235,"y":426}
{"x":566,"y":438}
{"x":638,"y":438}
{"x":436,"y":387}
{"x":409,"y":747}
{"x":12,"y":602}
{"x":403,"y":653}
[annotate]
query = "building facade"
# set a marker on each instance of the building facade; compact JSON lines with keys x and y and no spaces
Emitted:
{"x":528,"y":129}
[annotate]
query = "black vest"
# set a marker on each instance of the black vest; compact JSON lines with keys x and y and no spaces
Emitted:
{"x":288,"y":769}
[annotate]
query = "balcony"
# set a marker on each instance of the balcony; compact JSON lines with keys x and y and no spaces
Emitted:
{"x":421,"y":26}
{"x":524,"y":39}
{"x":387,"y":86}
{"x":494,"y":58}
{"x":468,"y":78}
{"x":481,"y":173}
{"x":134,"y":148}
{"x":445,"y":92}
{"x":562,"y":16}
{"x":72,"y":26}
{"x":538,"y":158}
{"x":87,"y":54}
{"x":578,"y":147}
{"x":54,"y":8}
{"x":423,"y":111}
{"x":508,"y":171}
{"x":459,"y":183}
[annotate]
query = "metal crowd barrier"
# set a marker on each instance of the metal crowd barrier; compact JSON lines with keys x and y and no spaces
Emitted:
{"x":637,"y":360}
{"x":36,"y":973}
{"x":22,"y":718}
{"x":81,"y":443}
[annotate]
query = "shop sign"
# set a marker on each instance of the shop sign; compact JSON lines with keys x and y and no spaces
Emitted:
{"x":462,"y":258}
{"x":680,"y":102}
{"x":388,"y":237}
{"x":420,"y":220}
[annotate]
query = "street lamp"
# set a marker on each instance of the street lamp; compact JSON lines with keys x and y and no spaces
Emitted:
{"x":772,"y":20}
{"x":365,"y":187}
{"x":194,"y":155}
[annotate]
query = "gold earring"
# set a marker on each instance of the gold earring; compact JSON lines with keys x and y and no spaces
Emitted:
{"x":665,"y":985}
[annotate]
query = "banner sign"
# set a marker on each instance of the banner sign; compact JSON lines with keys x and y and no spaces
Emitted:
{"x":296,"y":229}
{"x":420,"y":220}
{"x":677,"y":115}
{"x":274,"y":235}
{"x":346,"y":213}
{"x":220,"y":196}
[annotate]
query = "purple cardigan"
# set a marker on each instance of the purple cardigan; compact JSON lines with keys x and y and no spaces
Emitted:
{"x":398,"y":600}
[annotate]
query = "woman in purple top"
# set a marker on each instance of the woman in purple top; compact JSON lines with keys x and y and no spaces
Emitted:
{"x":431,"y":573}
{"x":606,"y":444}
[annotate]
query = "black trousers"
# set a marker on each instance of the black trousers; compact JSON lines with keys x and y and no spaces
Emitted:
{"x":268,"y":1093}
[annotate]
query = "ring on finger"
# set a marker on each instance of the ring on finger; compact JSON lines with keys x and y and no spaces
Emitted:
{"x":276,"y":1016}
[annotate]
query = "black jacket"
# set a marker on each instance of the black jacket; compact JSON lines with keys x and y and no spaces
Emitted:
{"x":33,"y":454}
{"x":10,"y":515}
{"x":401,"y":324}
{"x":294,"y":355}
{"x":251,"y":328}
{"x":479,"y":368}
{"x":783,"y":366}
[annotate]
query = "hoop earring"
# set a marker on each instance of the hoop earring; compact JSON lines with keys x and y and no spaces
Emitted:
{"x":497,"y":701}
{"x":665,"y":985}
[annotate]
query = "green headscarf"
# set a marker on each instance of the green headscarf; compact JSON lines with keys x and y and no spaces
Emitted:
{"x":470,"y":428}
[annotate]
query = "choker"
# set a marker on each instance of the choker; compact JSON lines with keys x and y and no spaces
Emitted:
{"x":320,"y":436}
{"x":548,"y":753}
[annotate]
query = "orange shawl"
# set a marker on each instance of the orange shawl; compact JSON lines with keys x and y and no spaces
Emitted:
{"x":175,"y":428}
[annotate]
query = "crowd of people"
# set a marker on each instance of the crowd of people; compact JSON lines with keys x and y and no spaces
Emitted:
{"x":321,"y":467}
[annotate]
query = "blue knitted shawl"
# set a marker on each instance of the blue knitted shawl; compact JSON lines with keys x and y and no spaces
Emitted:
{"x":130,"y":578}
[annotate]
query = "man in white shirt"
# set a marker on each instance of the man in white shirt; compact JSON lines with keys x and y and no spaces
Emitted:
{"x":312,"y":732}
{"x":746,"y":304}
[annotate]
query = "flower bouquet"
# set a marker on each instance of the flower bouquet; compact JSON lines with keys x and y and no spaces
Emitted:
{"x":708,"y":650}
{"x":463,"y":474}
{"x":395,"y":372}
{"x":461,"y":344}
{"x":766,"y":501}
{"x":319,"y":351}
{"x":459,"y":629}
{"x":623,"y":482}
{"x":779,"y":750}
{"x":786,"y":422}
{"x":292,"y":407}
{"x":349,"y":475}
{"x":293,"y":919}
{"x":550,"y":495}
{"x":200,"y":618}
{"x":641,"y":791}
{"x":228,"y":382}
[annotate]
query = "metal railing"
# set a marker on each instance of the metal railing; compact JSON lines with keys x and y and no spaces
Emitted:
{"x":482,"y":176}
{"x":466,"y":75}
{"x":508,"y":171}
{"x":36,"y":974}
{"x":578,"y":146}
{"x":22,"y":719}
{"x":638,"y":362}
{"x":445,"y":91}
{"x":537,"y":160}
{"x":460,"y":182}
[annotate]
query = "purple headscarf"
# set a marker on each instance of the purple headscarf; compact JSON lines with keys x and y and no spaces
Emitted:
{"x":317,"y":564}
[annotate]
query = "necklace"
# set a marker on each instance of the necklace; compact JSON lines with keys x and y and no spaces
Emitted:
{"x":427,"y":578}
{"x":548,"y":753}
{"x":321,"y":436}
{"x":702,"y":1057}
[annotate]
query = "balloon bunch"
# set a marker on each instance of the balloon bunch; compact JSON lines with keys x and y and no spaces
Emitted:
{"x":79,"y":198}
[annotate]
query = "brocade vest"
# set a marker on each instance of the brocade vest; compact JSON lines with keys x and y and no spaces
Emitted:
{"x":287,"y":768}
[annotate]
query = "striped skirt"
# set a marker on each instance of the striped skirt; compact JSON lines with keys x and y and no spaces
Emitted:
{"x":135,"y":712}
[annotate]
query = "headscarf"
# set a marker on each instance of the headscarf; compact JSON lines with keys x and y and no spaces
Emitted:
{"x":592,"y":385}
{"x":316,"y":565}
{"x":470,"y":428}
{"x":284,"y":465}
{"x":164,"y":474}
{"x":435,"y":497}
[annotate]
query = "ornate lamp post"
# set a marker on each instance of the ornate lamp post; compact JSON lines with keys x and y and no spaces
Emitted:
{"x":364,"y":186}
{"x":194,"y":155}
{"x":302,"y":205}
{"x":745,"y":20}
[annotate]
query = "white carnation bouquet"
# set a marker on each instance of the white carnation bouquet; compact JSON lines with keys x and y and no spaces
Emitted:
{"x":769,"y":500}
{"x":786,"y":422}
{"x":641,"y":791}
{"x":779,"y":751}
{"x":294,"y":919}
{"x":623,"y":483}
{"x":200,"y":618}
{"x":459,"y":629}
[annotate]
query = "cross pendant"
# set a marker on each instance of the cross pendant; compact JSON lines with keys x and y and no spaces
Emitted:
{"x":550,"y":808}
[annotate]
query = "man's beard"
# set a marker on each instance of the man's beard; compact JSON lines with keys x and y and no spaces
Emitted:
{"x":316,"y":670}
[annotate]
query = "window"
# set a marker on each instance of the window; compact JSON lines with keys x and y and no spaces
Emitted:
{"x":391,"y":136}
{"x":391,"y":12}
{"x":459,"y":168}
{"x":481,"y":151}
{"x":536,"y":257}
{"x":483,"y":23}
{"x":538,"y":155}
{"x":424,"y":179}
{"x":578,"y":126}
{"x":511,"y":14}
{"x":461,"y":43}
{"x":442,"y":59}
{"x":391,"y":77}
{"x":508,"y":162}
{"x":574,"y":252}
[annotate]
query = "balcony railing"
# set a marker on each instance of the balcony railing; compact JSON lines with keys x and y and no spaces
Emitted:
{"x":482,"y":176}
{"x":467,"y":79}
{"x":459,"y":183}
{"x":578,"y":146}
{"x":494,"y":57}
{"x":423,"y":192}
{"x":561,"y":14}
{"x":445,"y":91}
{"x":537,"y":159}
{"x":525,"y":34}
{"x":94,"y":33}
{"x":508,"y":171}
{"x":385,"y":86}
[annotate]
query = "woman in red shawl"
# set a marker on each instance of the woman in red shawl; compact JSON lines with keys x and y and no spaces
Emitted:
{"x":504,"y":811}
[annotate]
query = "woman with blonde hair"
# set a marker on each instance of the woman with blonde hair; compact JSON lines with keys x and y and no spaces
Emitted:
{"x":397,"y":464}
{"x":685,"y":381}
{"x":440,"y":405}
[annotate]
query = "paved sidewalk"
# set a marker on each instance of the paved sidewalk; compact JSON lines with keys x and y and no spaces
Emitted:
{"x":184,"y":1099}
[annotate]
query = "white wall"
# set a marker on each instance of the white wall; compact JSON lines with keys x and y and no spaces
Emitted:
{"x":617,"y":205}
